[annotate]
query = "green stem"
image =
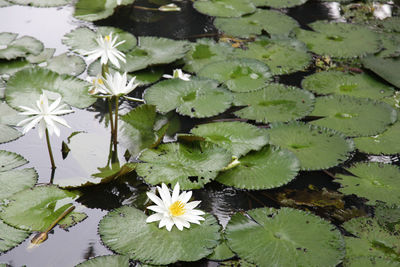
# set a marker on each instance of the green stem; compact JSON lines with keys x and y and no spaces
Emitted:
{"x":53,"y":165}
{"x":109,"y":100}
{"x":65,"y":213}
{"x":116,"y":124}
{"x":145,"y":8}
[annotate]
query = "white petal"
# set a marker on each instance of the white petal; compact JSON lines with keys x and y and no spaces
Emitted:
{"x":196,"y":212}
{"x":169,"y":225}
{"x":192,"y":205}
{"x":168,"y":76}
{"x":60,"y":121}
{"x":157,"y":209}
{"x":164,"y":221}
{"x":32,"y":124}
{"x":178,"y":223}
{"x":54,"y":105}
{"x":164,"y":193}
{"x":175,"y":193}
{"x":185,"y":196}
{"x":155,"y":217}
{"x":155,"y":199}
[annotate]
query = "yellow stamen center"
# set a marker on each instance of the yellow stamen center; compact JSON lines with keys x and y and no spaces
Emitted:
{"x":107,"y":38}
{"x":177,"y":208}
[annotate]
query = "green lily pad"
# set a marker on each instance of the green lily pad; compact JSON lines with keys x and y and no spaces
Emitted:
{"x":126,"y":232}
{"x":13,"y":66}
{"x":224,"y":8}
{"x":316,"y":147}
{"x":353,"y":116}
{"x":284,"y":237}
{"x":373,"y":181}
{"x":340,"y":83}
{"x":386,"y":68}
{"x":8,"y":134}
{"x":278,"y":3}
{"x":391,"y":24}
{"x":92,"y":10}
{"x":41,"y":3}
{"x":44,"y":56}
{"x":221,"y":252}
{"x":4,"y":3}
{"x":110,"y":260}
{"x":14,"y":181}
{"x":268,"y":168}
{"x":67,"y":64}
{"x":282,"y":55}
{"x":273,"y":22}
{"x":25,"y":87}
{"x":390,"y":44}
{"x":10,"y":237}
{"x":205,"y":51}
{"x":7,"y":37}
{"x":239,"y":75}
{"x":72,"y":219}
{"x":339,"y":39}
{"x":236,"y":137}
{"x":385,"y":143}
{"x":387,"y":216}
{"x":198,"y":97}
{"x":10,"y":160}
{"x":192,"y":165}
{"x":19,"y":47}
{"x":275,"y":102}
{"x":35,"y":209}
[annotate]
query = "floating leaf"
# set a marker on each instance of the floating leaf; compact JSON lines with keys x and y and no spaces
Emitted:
{"x":221,"y":252}
{"x":110,"y":260}
{"x":14,"y":181}
{"x":386,"y":68}
{"x":391,"y":24}
{"x":374,"y":181}
{"x":41,"y":3}
{"x":198,"y":97}
{"x":35,"y":209}
{"x":45,"y":55}
{"x":10,"y":237}
{"x":224,"y":8}
{"x":284,"y":237}
{"x":25,"y":87}
{"x":7,"y":37}
{"x":316,"y":147}
{"x":275,"y":102}
{"x":126,"y":232}
{"x":268,"y":168}
{"x":67,"y":64}
{"x":10,"y":160}
{"x":273,"y":22}
{"x":13,"y":66}
{"x":237,"y":137}
{"x":92,"y":10}
{"x":19,"y":47}
{"x":8,"y":134}
{"x":72,"y":219}
{"x":278,"y":3}
{"x":239,"y":75}
{"x":340,"y":83}
{"x":4,"y":3}
{"x":387,"y":216}
{"x":353,"y":116}
{"x":192,"y":165}
{"x":339,"y":39}
{"x":390,"y":44}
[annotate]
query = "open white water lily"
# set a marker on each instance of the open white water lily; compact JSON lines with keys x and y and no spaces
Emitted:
{"x":117,"y":85}
{"x":46,"y":115}
{"x":178,"y":74}
{"x":97,"y":85}
{"x":174,"y":209}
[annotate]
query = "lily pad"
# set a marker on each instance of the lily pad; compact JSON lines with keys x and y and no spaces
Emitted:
{"x":385,"y":143}
{"x":278,"y":3}
{"x":7,"y":37}
{"x":273,"y":22}
{"x":340,"y":83}
{"x":221,"y":252}
{"x":353,"y":116}
{"x":192,"y":165}
{"x":8,"y":134}
{"x":237,"y":137}
{"x":126,"y":232}
{"x":10,"y":160}
{"x":275,"y":102}
{"x":44,"y":56}
{"x":10,"y":236}
{"x":25,"y":87}
{"x":390,"y":44}
{"x":224,"y":8}
{"x":110,"y":260}
{"x":67,"y":64}
{"x":198,"y":97}
{"x":4,"y":3}
{"x":337,"y":39}
{"x":284,"y":237}
{"x":13,"y":66}
{"x":373,"y":181}
{"x":384,"y":67}
{"x":268,"y":168}
{"x":282,"y":55}
{"x":72,"y":219}
{"x":239,"y":75}
{"x":35,"y":209}
{"x":391,"y":24}
{"x":316,"y":147}
{"x":14,"y":181}
{"x":41,"y":3}
{"x":92,"y":10}
{"x":20,"y":47}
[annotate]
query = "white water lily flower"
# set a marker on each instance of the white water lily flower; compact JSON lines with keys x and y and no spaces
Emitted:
{"x":45,"y":115}
{"x":97,"y":86}
{"x":116,"y":85}
{"x":106,"y":50}
{"x":119,"y":2}
{"x":175,"y":209}
{"x":178,"y":74}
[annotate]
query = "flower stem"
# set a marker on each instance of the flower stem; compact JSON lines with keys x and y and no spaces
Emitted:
{"x":109,"y":100}
{"x":53,"y":165}
{"x":116,"y":124}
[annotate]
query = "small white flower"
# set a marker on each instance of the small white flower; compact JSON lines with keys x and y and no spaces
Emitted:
{"x":178,"y":74}
{"x":175,"y":209}
{"x":106,"y":50}
{"x":45,"y":115}
{"x":116,"y":85}
{"x":97,"y":86}
{"x":119,"y":2}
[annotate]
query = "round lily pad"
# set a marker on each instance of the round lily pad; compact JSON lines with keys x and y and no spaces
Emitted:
{"x":10,"y":160}
{"x":284,"y":237}
{"x":237,"y":137}
{"x":239,"y":75}
{"x":192,"y":165}
{"x":353,"y":116}
{"x":268,"y":168}
{"x":25,"y":87}
{"x":224,"y":8}
{"x":275,"y":102}
{"x":273,"y":22}
{"x":340,"y":83}
{"x":8,"y":134}
{"x":198,"y":97}
{"x":7,"y":37}
{"x":390,"y":24}
{"x":41,"y":3}
{"x":45,"y":55}
{"x":221,"y":252}
{"x":12,"y":66}
{"x":35,"y":209}
{"x":390,"y":44}
{"x":282,"y":55}
{"x":387,"y":68}
{"x":339,"y":39}
{"x":110,"y":260}
{"x":373,"y":181}
{"x":20,"y":47}
{"x":278,"y":3}
{"x":126,"y":232}
{"x":16,"y":180}
{"x":316,"y":147}
{"x":92,"y":10}
{"x":10,"y":236}
{"x":66,"y":64}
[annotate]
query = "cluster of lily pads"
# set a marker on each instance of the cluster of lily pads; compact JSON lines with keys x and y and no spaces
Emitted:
{"x":251,"y":133}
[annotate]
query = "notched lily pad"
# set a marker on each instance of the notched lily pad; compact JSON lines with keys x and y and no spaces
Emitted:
{"x":20,"y":47}
{"x":224,"y":8}
{"x":72,"y":219}
{"x":109,"y":260}
{"x":10,"y":237}
{"x":10,"y":160}
{"x":9,"y":67}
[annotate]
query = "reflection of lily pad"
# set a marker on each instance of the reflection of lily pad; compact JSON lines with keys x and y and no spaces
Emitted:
{"x":20,"y":47}
{"x":315,"y":147}
{"x":198,"y":97}
{"x":10,"y":236}
{"x":110,"y":260}
{"x":239,"y":75}
{"x":125,"y":231}
{"x":275,"y":102}
{"x":192,"y":165}
{"x":353,"y":116}
{"x":270,"y":167}
{"x":92,"y":10}
{"x":284,"y":237}
{"x":224,"y":8}
{"x":374,"y":181}
{"x":278,"y":3}
{"x":386,"y":68}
